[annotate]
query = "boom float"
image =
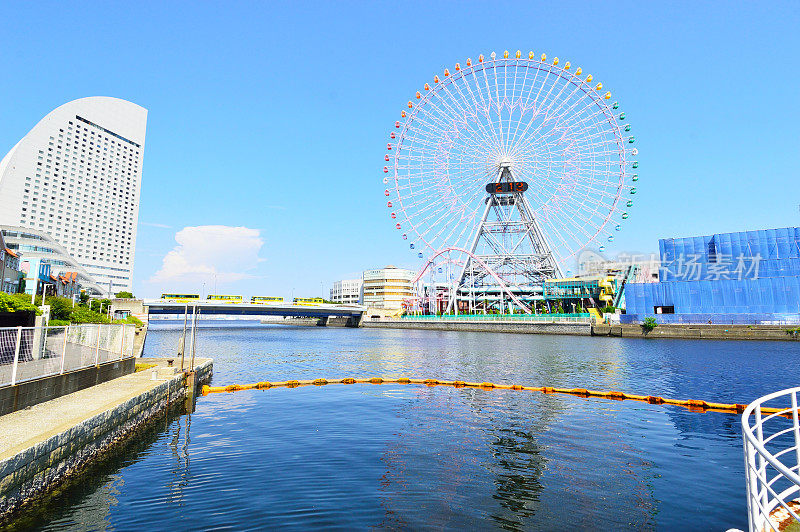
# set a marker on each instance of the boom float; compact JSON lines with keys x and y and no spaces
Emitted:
{"x":692,"y":404}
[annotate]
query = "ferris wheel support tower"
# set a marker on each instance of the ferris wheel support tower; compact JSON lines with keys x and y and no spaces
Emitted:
{"x":508,"y":240}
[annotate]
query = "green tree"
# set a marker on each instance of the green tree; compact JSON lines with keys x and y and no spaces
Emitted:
{"x":124,"y":295}
{"x":60,"y":308}
{"x":84,"y":298}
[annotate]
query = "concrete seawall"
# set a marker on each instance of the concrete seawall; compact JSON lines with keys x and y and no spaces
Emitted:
{"x":579,"y":329}
{"x":48,"y":444}
{"x":701,"y":331}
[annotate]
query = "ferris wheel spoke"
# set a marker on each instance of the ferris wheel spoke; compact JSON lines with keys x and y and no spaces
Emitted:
{"x":547,"y":121}
{"x":465,"y":110}
{"x":467,"y":82}
{"x":491,"y":103}
{"x":450,"y":114}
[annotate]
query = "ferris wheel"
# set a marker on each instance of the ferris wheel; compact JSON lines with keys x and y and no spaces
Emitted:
{"x":519,"y":160}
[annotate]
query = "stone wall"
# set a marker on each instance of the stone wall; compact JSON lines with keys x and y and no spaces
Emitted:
{"x":42,"y":467}
{"x":581,"y":329}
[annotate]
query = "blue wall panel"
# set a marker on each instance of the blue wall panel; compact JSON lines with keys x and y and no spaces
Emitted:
{"x":730,"y":280}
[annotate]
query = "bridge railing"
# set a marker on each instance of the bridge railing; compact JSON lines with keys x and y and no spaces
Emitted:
{"x":772,"y":461}
{"x":530,"y":318}
{"x":28,"y":353}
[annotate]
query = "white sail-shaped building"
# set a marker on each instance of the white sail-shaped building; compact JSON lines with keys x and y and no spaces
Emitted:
{"x":77,"y":176}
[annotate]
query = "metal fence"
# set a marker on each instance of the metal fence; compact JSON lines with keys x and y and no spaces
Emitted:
{"x":772,"y":461}
{"x":33,"y":352}
{"x":531,"y":318}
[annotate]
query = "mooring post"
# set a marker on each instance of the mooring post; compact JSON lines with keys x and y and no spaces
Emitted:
{"x":191,"y":388}
{"x":194,"y":334}
{"x":183,"y":338}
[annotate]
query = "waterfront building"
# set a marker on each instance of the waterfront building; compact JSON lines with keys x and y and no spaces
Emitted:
{"x":575,"y":293}
{"x":76,"y":176}
{"x":744,"y":277}
{"x":639,"y":268}
{"x":387,"y":288}
{"x":346,"y":291}
{"x":9,"y":268}
{"x":45,"y":262}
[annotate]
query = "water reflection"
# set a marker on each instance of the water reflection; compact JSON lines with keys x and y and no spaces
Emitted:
{"x":417,"y":457}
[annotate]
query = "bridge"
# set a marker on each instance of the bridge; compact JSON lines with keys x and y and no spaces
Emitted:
{"x":353,"y":313}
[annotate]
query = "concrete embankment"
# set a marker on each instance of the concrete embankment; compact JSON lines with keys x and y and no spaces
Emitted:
{"x":50,"y":443}
{"x":700,"y":331}
{"x":580,"y":329}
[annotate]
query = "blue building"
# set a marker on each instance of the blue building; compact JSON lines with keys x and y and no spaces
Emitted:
{"x":746,"y":277}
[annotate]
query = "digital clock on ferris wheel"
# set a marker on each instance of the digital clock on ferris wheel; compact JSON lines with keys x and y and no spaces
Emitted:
{"x":507,"y":187}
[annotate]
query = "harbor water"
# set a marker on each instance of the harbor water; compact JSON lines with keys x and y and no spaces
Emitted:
{"x":415,"y":457}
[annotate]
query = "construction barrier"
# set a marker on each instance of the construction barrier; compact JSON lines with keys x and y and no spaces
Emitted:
{"x":691,"y":404}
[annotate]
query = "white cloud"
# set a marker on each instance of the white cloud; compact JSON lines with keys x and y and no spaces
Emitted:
{"x":202,"y":251}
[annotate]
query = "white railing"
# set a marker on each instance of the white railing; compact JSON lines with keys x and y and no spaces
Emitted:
{"x":772,"y":460}
{"x":28,"y":353}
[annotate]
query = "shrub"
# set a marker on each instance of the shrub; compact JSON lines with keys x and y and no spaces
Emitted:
{"x":649,"y":324}
{"x":85,"y":315}
{"x":17,"y":303}
{"x":58,"y":323}
{"x":124,"y":295}
{"x":132,"y":320}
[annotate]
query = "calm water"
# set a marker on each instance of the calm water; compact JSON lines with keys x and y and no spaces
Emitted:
{"x":395,"y":456}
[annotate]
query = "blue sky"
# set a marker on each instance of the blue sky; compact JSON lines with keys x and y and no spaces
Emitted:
{"x":273,"y":116}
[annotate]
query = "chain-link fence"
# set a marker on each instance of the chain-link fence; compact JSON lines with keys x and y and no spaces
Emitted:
{"x":33,"y":352}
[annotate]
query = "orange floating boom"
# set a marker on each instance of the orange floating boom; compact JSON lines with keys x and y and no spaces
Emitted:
{"x":692,"y":404}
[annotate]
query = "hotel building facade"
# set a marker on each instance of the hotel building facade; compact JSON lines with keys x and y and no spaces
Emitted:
{"x":77,"y":177}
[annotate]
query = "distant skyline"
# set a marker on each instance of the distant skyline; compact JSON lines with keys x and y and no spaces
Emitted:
{"x":267,"y":123}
